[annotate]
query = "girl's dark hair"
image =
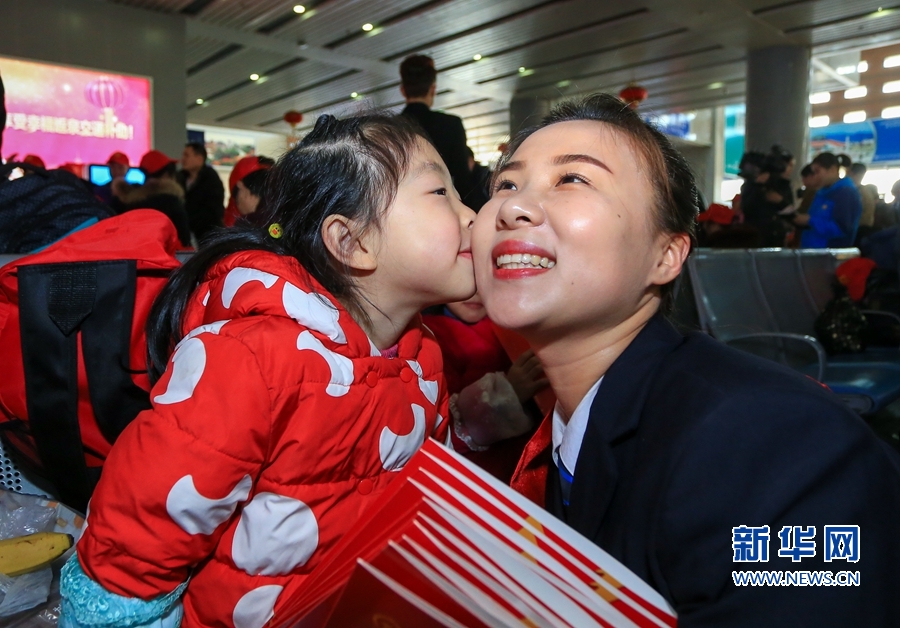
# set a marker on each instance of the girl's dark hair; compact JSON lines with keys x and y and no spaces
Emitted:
{"x":830,"y":160}
{"x":349,"y":167}
{"x":677,"y":200}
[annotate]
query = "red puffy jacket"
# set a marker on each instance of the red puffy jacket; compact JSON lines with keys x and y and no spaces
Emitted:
{"x":276,"y":423}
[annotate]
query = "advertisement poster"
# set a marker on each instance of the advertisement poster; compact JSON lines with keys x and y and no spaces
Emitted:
{"x":870,"y":142}
{"x":69,"y":115}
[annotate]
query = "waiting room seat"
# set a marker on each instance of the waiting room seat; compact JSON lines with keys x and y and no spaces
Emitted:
{"x":766,"y":301}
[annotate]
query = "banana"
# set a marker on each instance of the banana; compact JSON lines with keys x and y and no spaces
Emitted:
{"x":22,"y":554}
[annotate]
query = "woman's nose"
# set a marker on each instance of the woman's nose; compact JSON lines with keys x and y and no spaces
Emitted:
{"x":520,"y":210}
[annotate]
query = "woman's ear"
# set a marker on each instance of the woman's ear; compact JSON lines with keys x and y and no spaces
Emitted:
{"x":345,"y":243}
{"x":676,"y":247}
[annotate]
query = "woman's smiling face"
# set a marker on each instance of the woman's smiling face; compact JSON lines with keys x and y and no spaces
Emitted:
{"x":568,"y":242}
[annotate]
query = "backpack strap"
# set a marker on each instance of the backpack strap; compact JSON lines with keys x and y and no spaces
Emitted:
{"x":56,"y":301}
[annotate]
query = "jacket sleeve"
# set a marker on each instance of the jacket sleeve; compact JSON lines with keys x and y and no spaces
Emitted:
{"x":785,"y":460}
{"x":180,"y":470}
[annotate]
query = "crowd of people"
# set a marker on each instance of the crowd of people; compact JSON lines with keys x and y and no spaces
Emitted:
{"x":832,"y":208}
{"x":293,"y":373}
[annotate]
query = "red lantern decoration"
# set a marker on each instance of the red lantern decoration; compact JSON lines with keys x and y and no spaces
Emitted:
{"x":293,"y":118}
{"x":104,"y":92}
{"x":633,"y":95}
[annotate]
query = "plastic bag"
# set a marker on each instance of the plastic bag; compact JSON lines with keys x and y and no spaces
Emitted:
{"x":18,"y":517}
{"x":491,"y":411}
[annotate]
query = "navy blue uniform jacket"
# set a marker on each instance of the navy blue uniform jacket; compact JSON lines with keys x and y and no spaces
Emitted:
{"x":687,"y":439}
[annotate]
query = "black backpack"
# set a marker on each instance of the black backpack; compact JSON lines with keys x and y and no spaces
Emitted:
{"x":42,"y":207}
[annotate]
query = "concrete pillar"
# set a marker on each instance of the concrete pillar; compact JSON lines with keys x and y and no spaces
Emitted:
{"x":778,"y":100}
{"x":525,"y":111}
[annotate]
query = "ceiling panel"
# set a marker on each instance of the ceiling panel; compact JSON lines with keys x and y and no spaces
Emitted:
{"x":681,"y":50}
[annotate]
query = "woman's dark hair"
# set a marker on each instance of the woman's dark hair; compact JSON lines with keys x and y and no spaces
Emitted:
{"x":676,"y":195}
{"x":349,"y":167}
{"x":830,"y":160}
{"x":255,"y":182}
{"x":807,"y":171}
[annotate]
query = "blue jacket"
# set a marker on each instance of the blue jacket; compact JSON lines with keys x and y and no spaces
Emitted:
{"x":687,"y":439}
{"x":833,"y":216}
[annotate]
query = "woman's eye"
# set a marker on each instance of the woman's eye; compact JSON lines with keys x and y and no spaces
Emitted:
{"x":504,"y":185}
{"x":572,"y":178}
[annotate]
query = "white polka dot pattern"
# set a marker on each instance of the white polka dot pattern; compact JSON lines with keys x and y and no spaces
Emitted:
{"x":256,"y":607}
{"x":312,"y":311}
{"x":341,"y":366}
{"x":238,"y":277}
{"x":274,"y":535}
{"x":196,"y":514}
{"x":396,"y":449}
{"x":188,"y":364}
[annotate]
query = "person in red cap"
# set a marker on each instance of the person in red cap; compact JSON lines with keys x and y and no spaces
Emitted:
{"x":246,"y":184}
{"x":118,"y":167}
{"x":34,"y":160}
{"x":160,"y":191}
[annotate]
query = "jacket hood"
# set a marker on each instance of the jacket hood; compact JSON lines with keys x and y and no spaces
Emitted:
{"x":263,"y":284}
{"x":134,"y":194}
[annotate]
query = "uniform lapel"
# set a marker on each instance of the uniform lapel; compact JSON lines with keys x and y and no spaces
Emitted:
{"x":614,"y":416}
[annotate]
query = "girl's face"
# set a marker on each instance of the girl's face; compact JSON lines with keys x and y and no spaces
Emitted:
{"x":567,"y":243}
{"x":425,"y":241}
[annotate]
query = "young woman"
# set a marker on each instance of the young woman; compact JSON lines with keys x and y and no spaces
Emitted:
{"x":298,"y":379}
{"x":676,"y":454}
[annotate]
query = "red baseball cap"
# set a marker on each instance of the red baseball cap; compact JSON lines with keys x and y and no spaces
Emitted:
{"x":34,"y":160}
{"x":721,"y":214}
{"x":118,"y":158}
{"x":154,"y":161}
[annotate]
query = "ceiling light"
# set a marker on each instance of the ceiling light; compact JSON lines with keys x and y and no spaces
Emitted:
{"x":254,"y":77}
{"x":476,"y":57}
{"x":354,"y":95}
{"x":890,"y":112}
{"x":856,"y":92}
{"x":862,"y":66}
{"x":819,"y":97}
{"x":367,"y":27}
{"x":846,"y":69}
{"x":818,"y":121}
{"x":522,"y":69}
{"x":855,"y":116}
{"x":716,"y":85}
{"x":199,"y":101}
{"x":892,"y":62}
{"x":890,"y":87}
{"x":299,"y":8}
{"x":564,"y":83}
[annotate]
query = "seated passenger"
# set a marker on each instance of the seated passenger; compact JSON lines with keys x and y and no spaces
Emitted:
{"x":688,"y":461}
{"x":160,"y":191}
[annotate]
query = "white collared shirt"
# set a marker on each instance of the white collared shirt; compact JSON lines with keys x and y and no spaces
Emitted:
{"x":568,"y":435}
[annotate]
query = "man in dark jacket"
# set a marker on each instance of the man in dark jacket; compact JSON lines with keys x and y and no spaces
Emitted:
{"x":418,"y":85}
{"x":204,"y":197}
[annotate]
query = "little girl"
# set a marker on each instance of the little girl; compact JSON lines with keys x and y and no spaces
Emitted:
{"x":298,"y":380}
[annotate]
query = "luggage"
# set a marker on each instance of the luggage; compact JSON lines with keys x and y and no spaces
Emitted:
{"x":42,"y":207}
{"x":73,"y":346}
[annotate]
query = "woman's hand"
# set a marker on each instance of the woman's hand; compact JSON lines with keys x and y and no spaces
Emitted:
{"x":526,"y":376}
{"x":801,"y":220}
